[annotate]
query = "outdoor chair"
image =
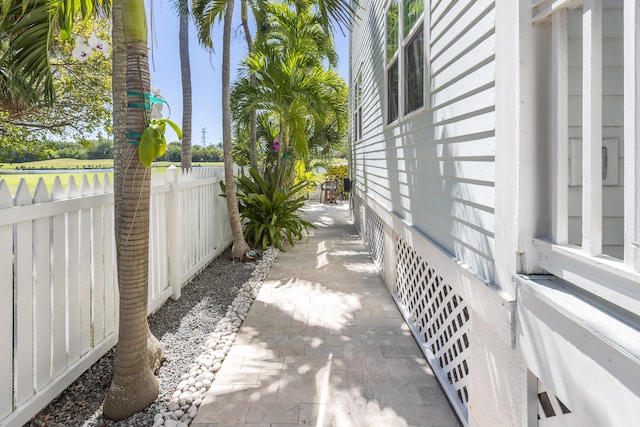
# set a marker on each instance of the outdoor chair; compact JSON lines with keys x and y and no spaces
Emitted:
{"x":329,"y":189}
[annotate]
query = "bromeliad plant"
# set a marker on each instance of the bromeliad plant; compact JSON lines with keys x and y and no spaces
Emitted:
{"x":271,"y":211}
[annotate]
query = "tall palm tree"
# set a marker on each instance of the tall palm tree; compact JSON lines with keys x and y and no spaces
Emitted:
{"x":297,"y":29}
{"x":206,"y":13}
{"x":291,"y":81}
{"x":240,"y":246}
{"x":30,"y":30}
{"x":253,"y":148}
{"x":134,"y":386}
{"x":185,"y":70}
{"x":297,"y":95}
{"x":289,"y":66}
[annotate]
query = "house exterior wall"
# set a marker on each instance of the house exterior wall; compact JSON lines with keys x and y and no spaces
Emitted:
{"x":424,"y":200}
{"x":434,"y":167}
{"x":457,"y":202}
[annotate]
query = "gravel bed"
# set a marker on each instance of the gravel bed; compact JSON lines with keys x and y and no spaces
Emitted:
{"x":183,"y":327}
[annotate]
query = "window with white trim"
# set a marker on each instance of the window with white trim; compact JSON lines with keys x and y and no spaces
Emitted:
{"x":407,"y":33}
{"x":357,"y":101}
{"x":413,"y":46}
{"x":392,"y":62}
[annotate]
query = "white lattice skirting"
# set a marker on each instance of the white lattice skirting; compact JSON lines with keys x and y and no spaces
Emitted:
{"x":373,"y":236}
{"x":440,"y":320}
{"x":437,"y":316}
{"x":357,"y":212}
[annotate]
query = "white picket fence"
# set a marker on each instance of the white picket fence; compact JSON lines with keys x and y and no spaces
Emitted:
{"x":58,"y":281}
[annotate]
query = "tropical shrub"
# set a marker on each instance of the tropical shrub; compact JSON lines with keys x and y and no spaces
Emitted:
{"x":271,"y":211}
{"x":338,"y":171}
{"x":306,"y":175}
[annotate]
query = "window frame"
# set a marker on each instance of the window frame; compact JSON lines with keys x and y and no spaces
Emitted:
{"x":413,"y":35}
{"x":397,"y":105}
{"x":392,"y":114}
{"x":357,"y":106}
{"x":407,"y":39}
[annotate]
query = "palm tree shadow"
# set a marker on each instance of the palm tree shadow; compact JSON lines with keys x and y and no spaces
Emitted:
{"x":335,"y":365}
{"x":204,"y":301}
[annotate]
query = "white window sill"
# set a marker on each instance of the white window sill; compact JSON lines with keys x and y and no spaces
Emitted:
{"x":602,"y":276}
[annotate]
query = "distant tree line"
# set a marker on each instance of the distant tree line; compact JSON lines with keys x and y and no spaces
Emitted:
{"x":211,"y":153}
{"x":103,"y":149}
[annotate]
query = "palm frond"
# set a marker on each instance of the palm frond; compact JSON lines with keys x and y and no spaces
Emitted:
{"x":206,"y":13}
{"x":30,"y":25}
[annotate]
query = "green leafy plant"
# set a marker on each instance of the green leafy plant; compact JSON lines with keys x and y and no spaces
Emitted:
{"x":271,"y":211}
{"x":338,"y":171}
{"x":153,"y":143}
{"x":308,"y":176}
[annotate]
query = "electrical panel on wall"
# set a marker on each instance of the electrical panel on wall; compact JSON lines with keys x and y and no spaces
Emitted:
{"x":610,"y":162}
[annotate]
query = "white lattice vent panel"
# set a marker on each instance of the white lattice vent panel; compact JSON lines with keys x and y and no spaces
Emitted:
{"x":440,"y":317}
{"x":374,"y":236}
{"x":551,"y":411}
{"x":357,"y":212}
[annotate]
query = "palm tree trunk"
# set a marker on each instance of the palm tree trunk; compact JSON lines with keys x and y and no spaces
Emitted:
{"x":240,"y":246}
{"x":134,"y":387}
{"x":185,"y":67}
{"x":253,"y":148}
{"x":119,"y":94}
{"x":119,"y":91}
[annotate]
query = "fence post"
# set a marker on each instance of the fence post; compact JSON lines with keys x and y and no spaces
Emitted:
{"x":174,"y":246}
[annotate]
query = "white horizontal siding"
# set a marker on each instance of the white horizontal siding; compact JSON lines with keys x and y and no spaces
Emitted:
{"x":462,"y":102}
{"x":435,"y":167}
{"x":367,"y":54}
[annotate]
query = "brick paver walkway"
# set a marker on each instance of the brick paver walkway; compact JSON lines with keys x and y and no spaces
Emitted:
{"x":324,"y":345}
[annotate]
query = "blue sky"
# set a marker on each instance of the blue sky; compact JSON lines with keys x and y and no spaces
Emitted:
{"x":164,"y":63}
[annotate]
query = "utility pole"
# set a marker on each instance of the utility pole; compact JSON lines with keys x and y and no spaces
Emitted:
{"x":203,"y":142}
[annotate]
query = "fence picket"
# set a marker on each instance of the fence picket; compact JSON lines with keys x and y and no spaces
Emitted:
{"x":73,"y":279}
{"x":85,"y":270}
{"x":6,"y":307}
{"x":97,"y":251}
{"x":42,"y":289}
{"x":23,"y":356}
{"x":110,"y":272}
{"x":59,"y":284}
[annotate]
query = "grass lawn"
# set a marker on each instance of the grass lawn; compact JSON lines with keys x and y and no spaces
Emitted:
{"x":13,"y":180}
{"x":58,"y":164}
{"x":65,"y":169}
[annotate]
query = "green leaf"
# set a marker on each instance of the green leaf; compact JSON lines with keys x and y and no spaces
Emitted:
{"x":162,"y":125}
{"x":160,"y":146}
{"x":147,"y":146}
{"x":175,"y":128}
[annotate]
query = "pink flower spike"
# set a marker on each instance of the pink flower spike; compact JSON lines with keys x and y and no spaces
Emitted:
{"x":81,"y":51}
